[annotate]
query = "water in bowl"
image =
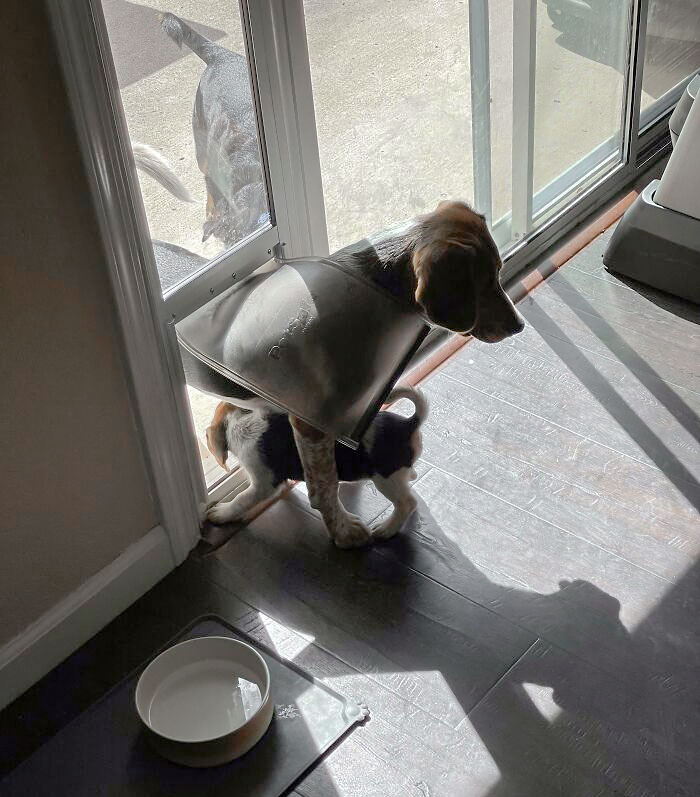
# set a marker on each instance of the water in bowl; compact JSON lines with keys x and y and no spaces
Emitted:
{"x":204,"y":700}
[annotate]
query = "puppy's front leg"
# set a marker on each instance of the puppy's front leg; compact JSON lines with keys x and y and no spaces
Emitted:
{"x":317,"y":452}
{"x":259,"y":489}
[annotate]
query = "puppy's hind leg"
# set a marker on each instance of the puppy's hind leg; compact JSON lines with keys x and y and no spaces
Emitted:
{"x":260,"y":488}
{"x":397,"y":489}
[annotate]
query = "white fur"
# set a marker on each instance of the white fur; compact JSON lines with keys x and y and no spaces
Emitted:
{"x":420,"y":402}
{"x":242,"y":432}
{"x":397,"y":489}
{"x":152,"y":163}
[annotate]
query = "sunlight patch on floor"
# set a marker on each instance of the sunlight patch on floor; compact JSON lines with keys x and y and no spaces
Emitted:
{"x":543,"y":700}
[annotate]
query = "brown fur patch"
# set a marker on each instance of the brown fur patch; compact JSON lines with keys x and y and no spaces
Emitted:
{"x":450,"y":224}
{"x":458,"y":214}
{"x":452,"y":240}
{"x":222,"y":410}
{"x":211,"y":206}
{"x":305,"y":429}
{"x":216,"y":433}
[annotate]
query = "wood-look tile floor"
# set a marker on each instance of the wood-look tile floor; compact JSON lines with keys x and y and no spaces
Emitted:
{"x":535,"y":629}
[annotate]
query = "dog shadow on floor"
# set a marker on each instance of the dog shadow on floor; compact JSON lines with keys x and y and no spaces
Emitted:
{"x":590,"y":708}
{"x":586,"y":707}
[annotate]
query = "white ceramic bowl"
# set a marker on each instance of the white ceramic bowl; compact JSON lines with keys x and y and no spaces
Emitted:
{"x":205,"y":701}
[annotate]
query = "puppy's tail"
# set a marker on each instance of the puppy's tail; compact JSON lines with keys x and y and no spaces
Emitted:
{"x":152,"y":163}
{"x":181,"y":33}
{"x":420,"y":402}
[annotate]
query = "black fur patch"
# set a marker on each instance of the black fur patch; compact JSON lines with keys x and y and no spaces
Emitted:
{"x":278,"y":451}
{"x":391,"y":450}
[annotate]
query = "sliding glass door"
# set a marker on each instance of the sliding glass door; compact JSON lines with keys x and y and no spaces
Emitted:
{"x":567,"y":101}
{"x":520,"y":107}
{"x":515,"y":106}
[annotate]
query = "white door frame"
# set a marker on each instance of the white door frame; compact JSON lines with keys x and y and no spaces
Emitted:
{"x":147,"y":340}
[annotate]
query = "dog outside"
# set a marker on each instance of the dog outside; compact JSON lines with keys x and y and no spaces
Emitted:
{"x":392,"y":97}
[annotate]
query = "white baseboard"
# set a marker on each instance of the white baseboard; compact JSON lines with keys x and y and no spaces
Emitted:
{"x":70,"y":623}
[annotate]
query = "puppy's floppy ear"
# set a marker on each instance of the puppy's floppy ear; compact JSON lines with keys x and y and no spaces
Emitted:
{"x":216,"y":443}
{"x":445,"y":283}
{"x":216,"y":434}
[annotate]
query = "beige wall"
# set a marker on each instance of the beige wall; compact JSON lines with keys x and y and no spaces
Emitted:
{"x":74,"y":490}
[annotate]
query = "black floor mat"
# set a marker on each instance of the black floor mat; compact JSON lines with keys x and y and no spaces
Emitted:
{"x":105,"y":752}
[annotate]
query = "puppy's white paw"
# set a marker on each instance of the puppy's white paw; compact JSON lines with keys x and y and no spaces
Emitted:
{"x":386,"y":529}
{"x":351,"y":532}
{"x":222,"y":513}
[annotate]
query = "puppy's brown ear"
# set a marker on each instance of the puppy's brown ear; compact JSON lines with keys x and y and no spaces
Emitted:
{"x":216,"y":443}
{"x":445,"y":284}
{"x":216,"y":433}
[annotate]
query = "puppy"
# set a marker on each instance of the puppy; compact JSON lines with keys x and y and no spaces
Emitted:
{"x":263,"y":442}
{"x":444,"y":265}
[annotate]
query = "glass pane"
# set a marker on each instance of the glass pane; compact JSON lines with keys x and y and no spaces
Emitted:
{"x":398,"y":93}
{"x":185,"y":87}
{"x":500,"y":75}
{"x":391,"y":93}
{"x":672,"y":51}
{"x":579,"y":87}
{"x":579,"y":71}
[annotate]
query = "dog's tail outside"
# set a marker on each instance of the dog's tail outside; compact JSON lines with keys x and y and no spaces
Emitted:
{"x":152,"y":163}
{"x":420,"y":402}
{"x":181,"y":33}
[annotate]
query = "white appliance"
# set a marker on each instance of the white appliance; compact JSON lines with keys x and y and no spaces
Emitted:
{"x":657,"y":241}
